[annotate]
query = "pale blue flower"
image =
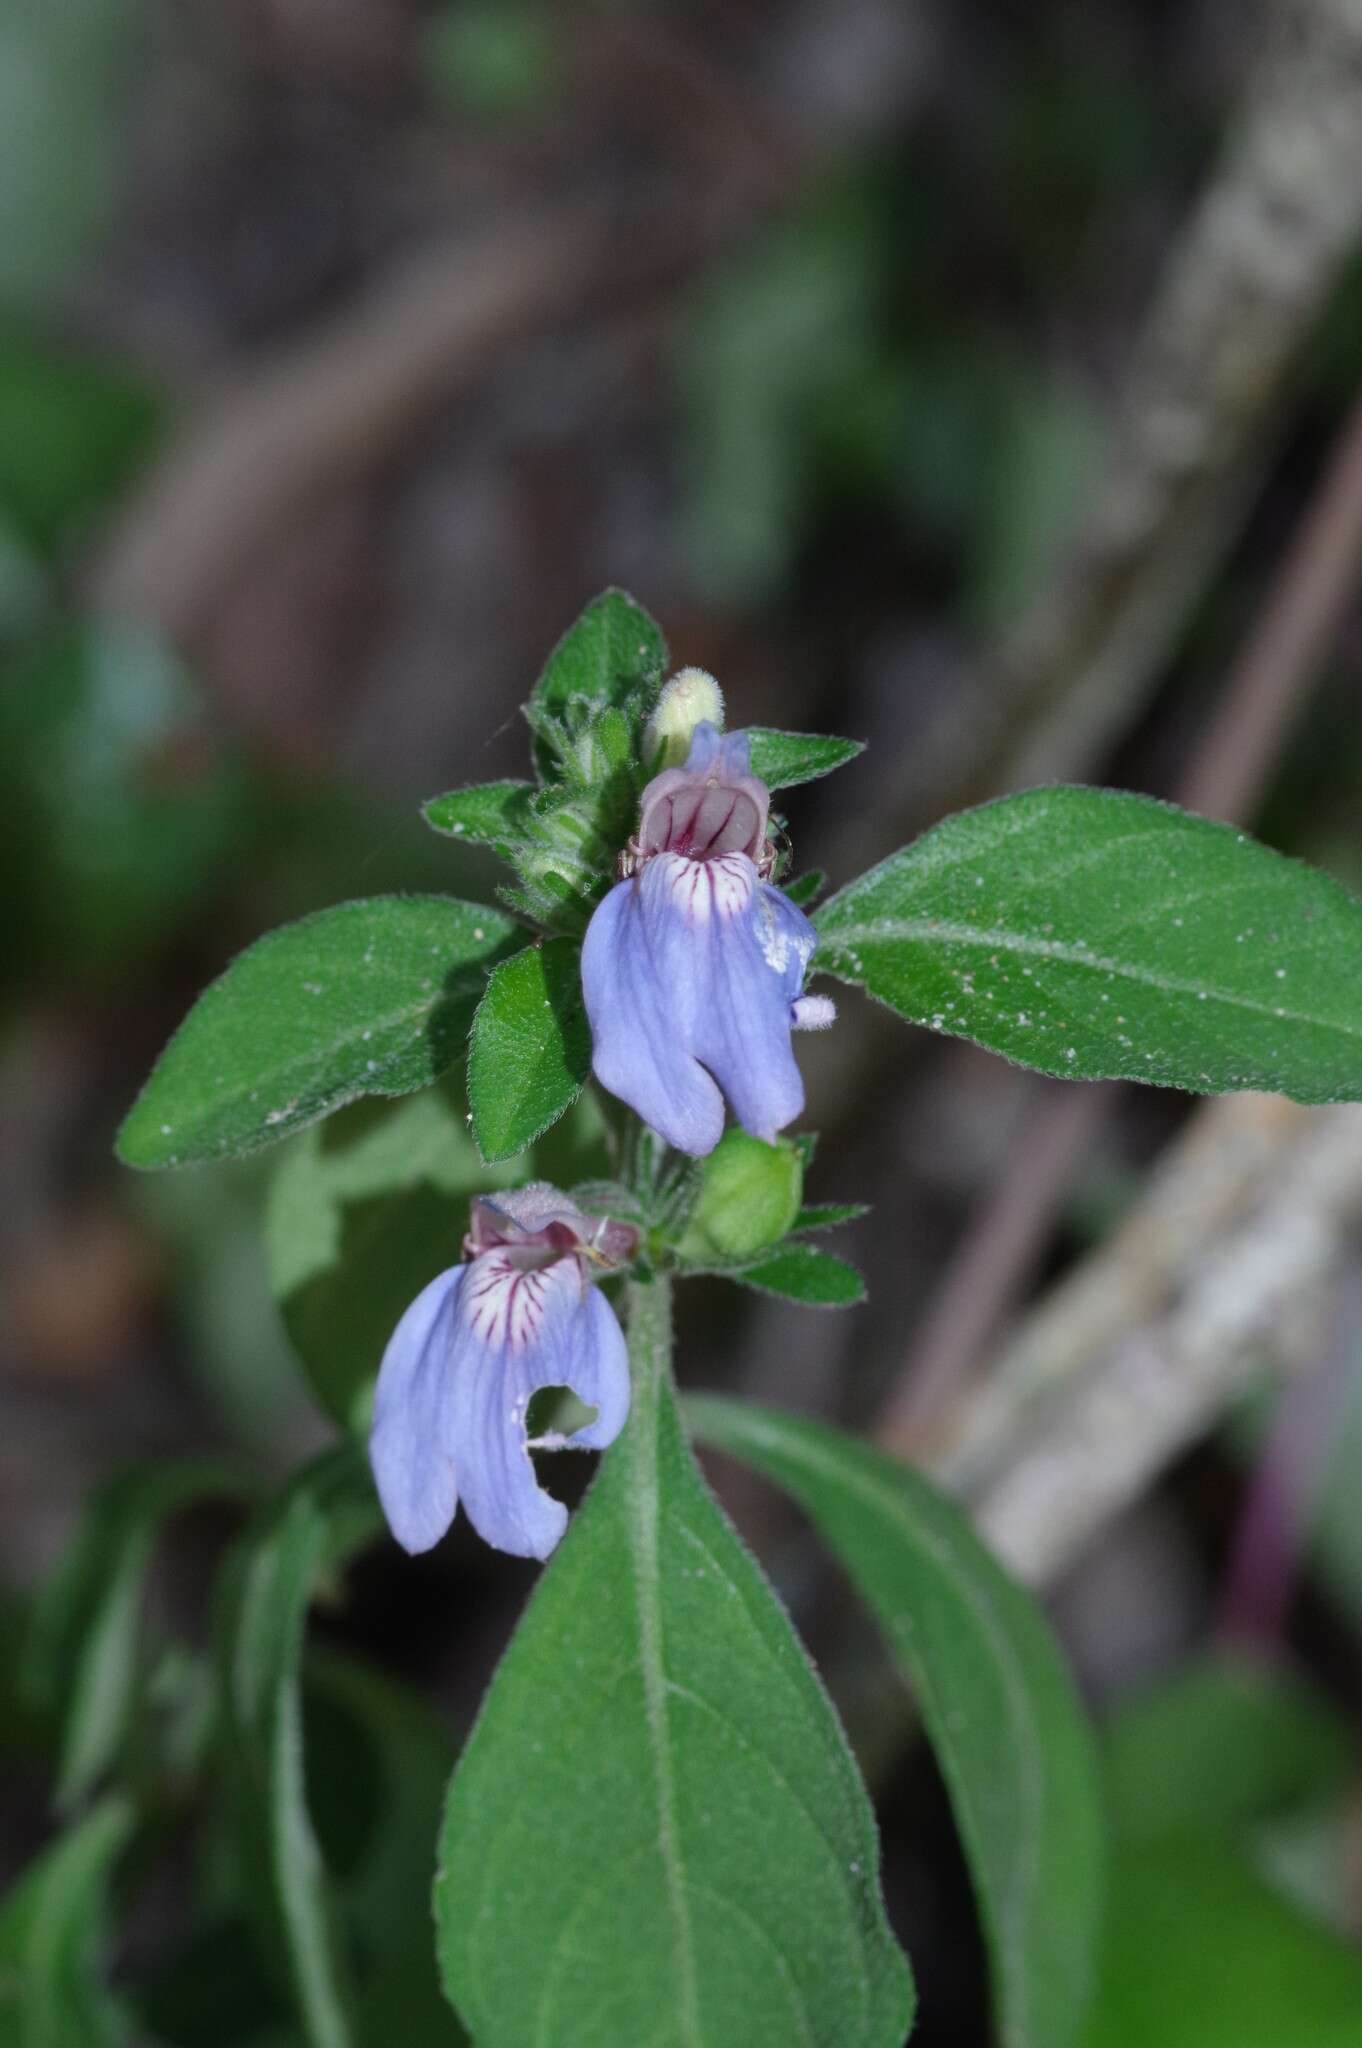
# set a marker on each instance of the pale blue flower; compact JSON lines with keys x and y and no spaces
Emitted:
{"x":475,"y":1345}
{"x":693,"y":966}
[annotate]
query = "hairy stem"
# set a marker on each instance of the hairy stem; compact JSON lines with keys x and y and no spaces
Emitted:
{"x":652,"y":1425}
{"x":649,"y":1312}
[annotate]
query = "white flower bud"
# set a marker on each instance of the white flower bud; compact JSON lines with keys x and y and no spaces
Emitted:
{"x":691,"y":698}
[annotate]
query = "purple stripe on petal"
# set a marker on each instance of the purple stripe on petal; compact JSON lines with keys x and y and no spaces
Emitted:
{"x":517,"y":1331}
{"x":410,"y":1446}
{"x":691,"y":972}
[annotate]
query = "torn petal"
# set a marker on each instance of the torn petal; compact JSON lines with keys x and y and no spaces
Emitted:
{"x":516,"y":1331}
{"x":597,"y":1372}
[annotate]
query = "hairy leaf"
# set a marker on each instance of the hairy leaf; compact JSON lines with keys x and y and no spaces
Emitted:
{"x":1090,"y":933}
{"x":828,"y":1215}
{"x":999,"y":1707}
{"x":495,"y":814}
{"x":530,"y":1051}
{"x":371,"y":998}
{"x":782,"y":759}
{"x":806,"y":889}
{"x":657,"y":1834}
{"x":610,"y":659}
{"x":801,"y":1272}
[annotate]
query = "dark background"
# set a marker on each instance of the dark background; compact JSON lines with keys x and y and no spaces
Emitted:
{"x":346,"y":348}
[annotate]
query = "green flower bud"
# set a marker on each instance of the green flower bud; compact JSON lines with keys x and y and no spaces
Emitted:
{"x":749,"y":1197}
{"x":691,"y":698}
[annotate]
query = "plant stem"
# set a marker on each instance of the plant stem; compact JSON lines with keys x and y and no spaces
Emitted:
{"x":650,"y":1440}
{"x":650,"y":1350}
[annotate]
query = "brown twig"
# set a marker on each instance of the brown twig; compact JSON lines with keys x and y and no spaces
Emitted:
{"x":1226,"y":1272}
{"x":1297,"y":625}
{"x":1190,"y":436}
{"x":1000,"y":1247}
{"x":1199,"y":409}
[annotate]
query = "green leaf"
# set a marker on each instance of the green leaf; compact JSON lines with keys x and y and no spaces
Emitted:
{"x":1000,"y":1710}
{"x":1093,"y":934}
{"x":73,"y":429}
{"x":782,"y":759}
{"x":362,"y":1212}
{"x":801,"y":1272}
{"x":495,"y":814}
{"x":366,"y":1208}
{"x":371,"y":998}
{"x":530,"y":1051}
{"x":1221,"y":1744}
{"x":828,"y":1215}
{"x":612,"y":657}
{"x":235,"y":1350}
{"x":84,"y":1659}
{"x":1201,"y":1954}
{"x":328,"y":1511}
{"x":806,"y":888}
{"x":52,"y":1935}
{"x":713,"y":1875}
{"x":379,"y":1762}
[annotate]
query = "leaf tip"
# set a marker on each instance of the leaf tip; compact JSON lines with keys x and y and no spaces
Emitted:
{"x":139,"y":1144}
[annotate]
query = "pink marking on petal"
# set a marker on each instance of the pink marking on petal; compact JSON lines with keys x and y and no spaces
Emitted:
{"x":732,"y":880}
{"x":506,"y":1302}
{"x":706,"y":888}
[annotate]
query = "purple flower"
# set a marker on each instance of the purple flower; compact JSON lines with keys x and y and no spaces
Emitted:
{"x":693,"y":965}
{"x":461,"y":1366}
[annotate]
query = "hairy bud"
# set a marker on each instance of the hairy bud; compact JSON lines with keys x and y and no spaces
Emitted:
{"x":691,"y":698}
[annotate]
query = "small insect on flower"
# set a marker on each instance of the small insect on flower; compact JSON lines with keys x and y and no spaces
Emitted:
{"x":461,"y":1367}
{"x":693,"y":966}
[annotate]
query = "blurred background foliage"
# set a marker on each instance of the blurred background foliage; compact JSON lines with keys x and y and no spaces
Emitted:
{"x":829,"y":383}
